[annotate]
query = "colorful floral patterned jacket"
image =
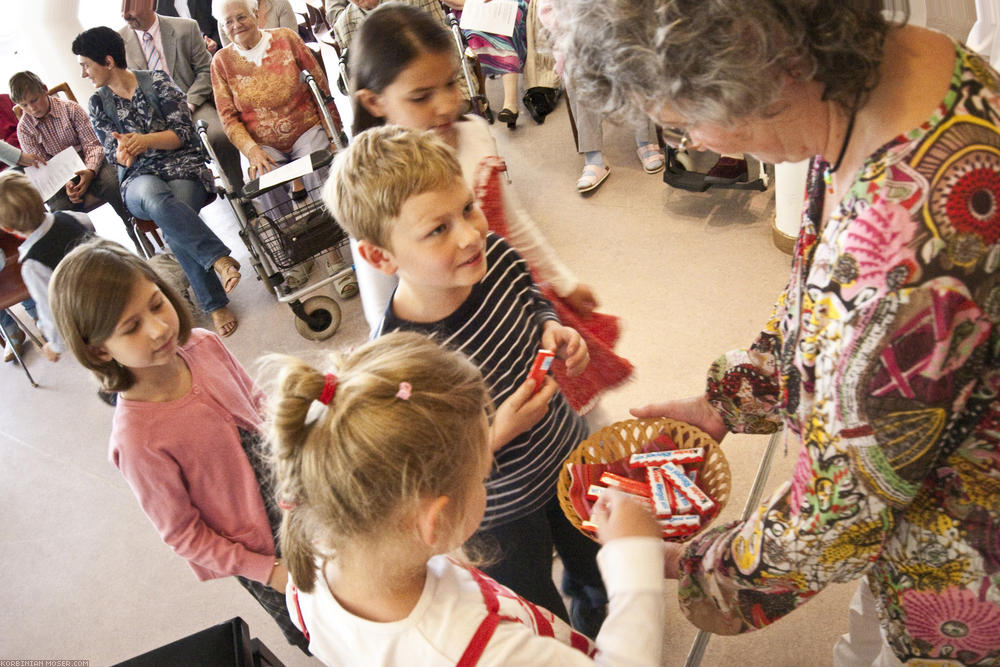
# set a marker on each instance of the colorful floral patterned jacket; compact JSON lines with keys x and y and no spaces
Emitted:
{"x":883,"y":357}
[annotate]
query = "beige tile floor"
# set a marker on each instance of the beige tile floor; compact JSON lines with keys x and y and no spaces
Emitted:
{"x":85,"y":576}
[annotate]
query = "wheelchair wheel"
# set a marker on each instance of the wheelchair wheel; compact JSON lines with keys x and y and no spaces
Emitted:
{"x":323,"y":315}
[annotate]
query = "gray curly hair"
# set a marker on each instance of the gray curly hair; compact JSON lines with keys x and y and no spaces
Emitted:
{"x":718,"y":60}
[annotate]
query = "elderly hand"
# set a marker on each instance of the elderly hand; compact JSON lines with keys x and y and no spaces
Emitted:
{"x":673,"y":553}
{"x":568,"y":346}
{"x":696,"y":411}
{"x":76,"y":189}
{"x":260,"y":162}
{"x":522,"y":410}
{"x":210,"y":44}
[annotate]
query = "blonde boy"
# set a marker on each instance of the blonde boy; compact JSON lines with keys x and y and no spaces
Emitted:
{"x":400,"y":193}
{"x":47,"y":239}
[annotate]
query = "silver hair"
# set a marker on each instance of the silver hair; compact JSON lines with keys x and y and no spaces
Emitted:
{"x":717,"y":60}
{"x":217,"y":6}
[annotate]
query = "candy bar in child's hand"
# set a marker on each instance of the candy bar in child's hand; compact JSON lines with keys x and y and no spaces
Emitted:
{"x":625,"y":484}
{"x":661,"y":492}
{"x":595,"y":491}
{"x":689,"y":489}
{"x":589,"y":526}
{"x":541,"y":365}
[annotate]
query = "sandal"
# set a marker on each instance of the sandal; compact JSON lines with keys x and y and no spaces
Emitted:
{"x":651,"y":158}
{"x":224,"y":321}
{"x":592,"y":177}
{"x":229,"y":272}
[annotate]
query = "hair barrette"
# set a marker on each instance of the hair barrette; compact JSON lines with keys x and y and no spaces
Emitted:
{"x":329,"y":388}
{"x":285,"y":505}
{"x":405,"y":390}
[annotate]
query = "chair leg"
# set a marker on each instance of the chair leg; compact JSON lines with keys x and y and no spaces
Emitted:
{"x":132,"y":235}
{"x":145,"y":247}
{"x":7,"y":341}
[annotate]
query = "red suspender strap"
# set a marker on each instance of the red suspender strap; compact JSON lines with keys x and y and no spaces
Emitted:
{"x":486,"y":629}
{"x":298,"y":611}
{"x":479,"y":641}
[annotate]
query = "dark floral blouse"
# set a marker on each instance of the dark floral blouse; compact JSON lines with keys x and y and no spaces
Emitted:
{"x":138,"y":115}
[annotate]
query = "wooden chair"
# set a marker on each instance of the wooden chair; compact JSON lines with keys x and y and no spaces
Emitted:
{"x":13,"y":292}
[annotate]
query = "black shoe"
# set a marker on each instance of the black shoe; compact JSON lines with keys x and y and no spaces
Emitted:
{"x":509,"y":117}
{"x":540,"y":102}
{"x":109,"y":397}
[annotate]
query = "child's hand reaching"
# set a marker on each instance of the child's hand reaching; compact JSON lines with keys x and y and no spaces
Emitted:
{"x":568,"y":345}
{"x":619,"y":514}
{"x":582,"y":300}
{"x":522,"y":410}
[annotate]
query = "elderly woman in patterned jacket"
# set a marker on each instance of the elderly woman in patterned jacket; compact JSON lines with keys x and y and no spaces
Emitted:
{"x":882,"y":353}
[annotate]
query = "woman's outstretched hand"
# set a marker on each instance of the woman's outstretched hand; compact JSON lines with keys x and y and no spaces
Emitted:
{"x":696,"y":411}
{"x":260,"y":162}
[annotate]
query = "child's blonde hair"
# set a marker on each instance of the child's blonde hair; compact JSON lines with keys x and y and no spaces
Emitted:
{"x":88,"y":292}
{"x":380,"y":169}
{"x":407,"y":421}
{"x":21,"y":207}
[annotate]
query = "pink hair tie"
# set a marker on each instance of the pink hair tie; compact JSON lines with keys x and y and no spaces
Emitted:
{"x":329,"y":388}
{"x":405,"y":389}
{"x":285,"y":505}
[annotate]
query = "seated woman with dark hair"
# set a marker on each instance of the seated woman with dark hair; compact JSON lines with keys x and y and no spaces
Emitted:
{"x":143,"y":122}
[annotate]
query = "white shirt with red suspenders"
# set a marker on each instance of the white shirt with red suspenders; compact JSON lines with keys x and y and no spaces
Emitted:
{"x":465,"y":618}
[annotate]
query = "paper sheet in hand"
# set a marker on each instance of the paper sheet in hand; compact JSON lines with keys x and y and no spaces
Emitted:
{"x":496,"y":16}
{"x":53,"y":176}
{"x":287,"y":172}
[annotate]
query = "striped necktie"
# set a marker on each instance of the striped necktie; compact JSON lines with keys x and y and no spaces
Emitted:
{"x":153,"y":60}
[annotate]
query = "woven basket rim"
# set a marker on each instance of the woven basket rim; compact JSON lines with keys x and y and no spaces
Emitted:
{"x":721,"y":477}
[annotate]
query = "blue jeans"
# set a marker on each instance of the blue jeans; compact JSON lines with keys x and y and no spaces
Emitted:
{"x":7,"y":322}
{"x":173,"y":206}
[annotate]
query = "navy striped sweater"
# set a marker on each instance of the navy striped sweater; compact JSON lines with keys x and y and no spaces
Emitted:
{"x":499,"y":327}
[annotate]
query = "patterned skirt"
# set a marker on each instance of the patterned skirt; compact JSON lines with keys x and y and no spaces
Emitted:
{"x":499,"y":54}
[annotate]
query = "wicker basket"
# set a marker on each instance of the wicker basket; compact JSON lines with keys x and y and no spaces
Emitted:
{"x":627,"y":437}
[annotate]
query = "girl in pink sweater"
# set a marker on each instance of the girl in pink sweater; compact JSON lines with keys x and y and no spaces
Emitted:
{"x":186,"y":433}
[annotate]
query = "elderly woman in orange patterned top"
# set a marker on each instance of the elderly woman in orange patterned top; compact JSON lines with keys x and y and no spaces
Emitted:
{"x":266,"y":111}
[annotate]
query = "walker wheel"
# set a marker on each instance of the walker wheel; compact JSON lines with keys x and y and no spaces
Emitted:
{"x":325,"y":315}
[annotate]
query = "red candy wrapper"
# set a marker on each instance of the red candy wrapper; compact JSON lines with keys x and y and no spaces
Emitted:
{"x":625,"y":484}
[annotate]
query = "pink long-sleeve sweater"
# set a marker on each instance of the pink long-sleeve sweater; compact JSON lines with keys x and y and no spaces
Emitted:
{"x":186,"y":466}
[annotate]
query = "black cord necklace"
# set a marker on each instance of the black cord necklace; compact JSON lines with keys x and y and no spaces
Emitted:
{"x":829,"y":171}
